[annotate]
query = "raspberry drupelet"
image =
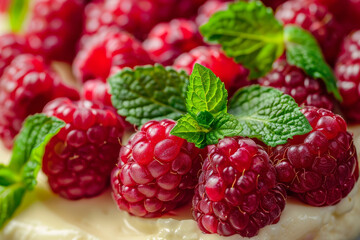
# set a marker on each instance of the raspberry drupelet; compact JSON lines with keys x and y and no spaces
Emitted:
{"x":157,"y":172}
{"x":237,"y":191}
{"x":54,"y":28}
{"x":79,"y":159}
{"x":108,"y":49}
{"x":27,"y":84}
{"x":213,"y":58}
{"x":347,"y":70}
{"x":293,"y":81}
{"x":320,"y":168}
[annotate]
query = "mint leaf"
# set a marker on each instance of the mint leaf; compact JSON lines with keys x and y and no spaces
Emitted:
{"x":205,"y":93}
{"x":149,"y":93}
{"x":188,"y":128}
{"x":249,"y":33}
{"x":207,"y":120}
{"x":268,"y":115}
{"x":17,"y":13}
{"x":25,"y":163}
{"x":29,"y":146}
{"x":10,"y":199}
{"x":303,"y":51}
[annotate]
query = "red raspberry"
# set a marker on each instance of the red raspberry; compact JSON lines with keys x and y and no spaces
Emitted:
{"x":208,"y":9}
{"x":55,"y":27}
{"x":4,"y":5}
{"x":294,"y":82}
{"x":134,"y":16}
{"x":237,"y":191}
{"x":315,"y":18}
{"x":320,"y":167}
{"x":166,"y":41}
{"x":107,"y":49}
{"x":346,"y":11}
{"x":79,"y":159}
{"x":347,"y":70}
{"x":26,"y":86}
{"x":273,"y":3}
{"x":157,"y":172}
{"x":213,"y":58}
{"x":11,"y":45}
{"x":97,"y":91}
{"x":180,"y":9}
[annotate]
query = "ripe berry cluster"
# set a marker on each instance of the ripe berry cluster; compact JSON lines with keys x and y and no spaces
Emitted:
{"x":236,"y":186}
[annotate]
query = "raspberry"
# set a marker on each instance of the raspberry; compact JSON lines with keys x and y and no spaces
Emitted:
{"x":208,"y":9}
{"x":181,"y":9}
{"x":294,"y":82}
{"x":26,"y":86}
{"x":315,"y":18}
{"x":348,"y":75}
{"x":166,"y":41}
{"x":97,"y":91}
{"x":320,"y":168}
{"x":273,"y":3}
{"x":134,"y":16}
{"x":55,"y":27}
{"x":157,"y":172}
{"x":105,"y":50}
{"x":237,"y":191}
{"x":4,"y":5}
{"x":350,"y":20}
{"x":213,"y":58}
{"x":79,"y":159}
{"x":11,"y":45}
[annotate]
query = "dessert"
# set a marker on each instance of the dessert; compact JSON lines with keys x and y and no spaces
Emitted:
{"x":44,"y":215}
{"x":216,"y":157}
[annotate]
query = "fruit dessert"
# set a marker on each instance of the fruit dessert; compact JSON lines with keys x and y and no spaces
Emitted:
{"x":163,"y":119}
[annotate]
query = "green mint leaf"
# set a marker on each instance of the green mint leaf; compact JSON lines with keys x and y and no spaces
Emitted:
{"x":188,"y":128}
{"x":7,"y":176}
{"x":149,"y":93}
{"x":249,"y":33}
{"x":303,"y":51}
{"x":205,"y":93}
{"x":17,"y":13}
{"x":225,"y":125}
{"x":268,"y":115}
{"x":20,"y":175}
{"x":207,"y":120}
{"x":29,"y":146}
{"x":10,"y":199}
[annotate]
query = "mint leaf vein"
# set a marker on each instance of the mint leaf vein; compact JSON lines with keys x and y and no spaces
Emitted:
{"x":268,"y":115}
{"x":149,"y":93}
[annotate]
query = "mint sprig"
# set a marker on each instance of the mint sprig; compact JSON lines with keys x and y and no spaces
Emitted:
{"x":256,"y":112}
{"x":303,"y":51}
{"x":149,"y":92}
{"x":268,"y":115}
{"x":250,"y":33}
{"x":17,"y":14}
{"x":20,"y":175}
{"x":207,"y":120}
